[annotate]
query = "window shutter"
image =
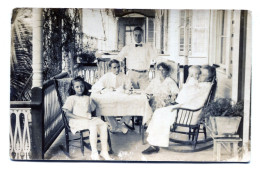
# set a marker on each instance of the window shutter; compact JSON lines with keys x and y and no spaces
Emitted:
{"x":200,"y":33}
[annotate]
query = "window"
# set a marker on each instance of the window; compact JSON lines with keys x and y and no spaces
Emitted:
{"x":129,"y":34}
{"x":185,"y":31}
{"x":223,"y":52}
{"x":221,"y":38}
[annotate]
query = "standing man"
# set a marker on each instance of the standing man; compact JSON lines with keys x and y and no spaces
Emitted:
{"x":138,"y":56}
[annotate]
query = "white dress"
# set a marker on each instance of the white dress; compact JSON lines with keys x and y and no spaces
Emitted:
{"x":164,"y":92}
{"x":159,"y":127}
{"x":80,"y":106}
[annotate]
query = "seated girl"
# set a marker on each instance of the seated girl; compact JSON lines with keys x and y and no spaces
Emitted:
{"x":78,"y":109}
{"x":162,"y":90}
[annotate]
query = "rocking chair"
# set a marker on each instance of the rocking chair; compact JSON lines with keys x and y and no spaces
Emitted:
{"x":189,"y":122}
{"x":62,"y":87}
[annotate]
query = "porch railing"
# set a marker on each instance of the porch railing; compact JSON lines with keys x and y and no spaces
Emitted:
{"x":20,"y":131}
{"x":89,"y":73}
{"x":92,"y":73}
{"x":35,"y":124}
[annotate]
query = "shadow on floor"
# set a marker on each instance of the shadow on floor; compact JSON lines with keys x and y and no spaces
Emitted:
{"x":129,"y":147}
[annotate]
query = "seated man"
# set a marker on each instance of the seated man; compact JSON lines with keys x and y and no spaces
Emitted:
{"x":159,"y":127}
{"x":114,"y":81}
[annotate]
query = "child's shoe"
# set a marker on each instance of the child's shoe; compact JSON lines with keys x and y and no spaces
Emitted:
{"x":106,"y":156}
{"x":95,"y":156}
{"x":124,"y":129}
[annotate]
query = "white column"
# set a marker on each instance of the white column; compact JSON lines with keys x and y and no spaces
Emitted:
{"x":37,"y":60}
{"x":170,"y":36}
{"x":235,"y":54}
{"x":165,"y":27}
{"x":247,"y":94}
{"x":158,"y":30}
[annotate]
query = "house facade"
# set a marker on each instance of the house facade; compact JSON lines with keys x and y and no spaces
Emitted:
{"x":186,"y":37}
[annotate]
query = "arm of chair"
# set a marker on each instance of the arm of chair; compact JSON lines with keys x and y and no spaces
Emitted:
{"x":188,"y":109}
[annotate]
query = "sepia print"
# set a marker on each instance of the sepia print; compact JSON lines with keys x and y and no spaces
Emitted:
{"x":130,"y":85}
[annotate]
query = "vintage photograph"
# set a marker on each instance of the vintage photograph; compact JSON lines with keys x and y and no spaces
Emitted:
{"x":130,"y":85}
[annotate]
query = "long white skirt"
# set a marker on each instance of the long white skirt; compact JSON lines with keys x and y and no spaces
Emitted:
{"x":159,"y":127}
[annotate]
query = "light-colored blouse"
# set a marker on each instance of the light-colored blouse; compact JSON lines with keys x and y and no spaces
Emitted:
{"x":110,"y":80}
{"x":78,"y":105}
{"x":163,"y":92}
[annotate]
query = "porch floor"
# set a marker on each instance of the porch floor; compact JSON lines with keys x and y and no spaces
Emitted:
{"x":128,"y":147}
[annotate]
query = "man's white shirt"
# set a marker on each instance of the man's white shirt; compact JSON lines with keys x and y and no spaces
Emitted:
{"x":110,"y":80}
{"x":138,"y":58}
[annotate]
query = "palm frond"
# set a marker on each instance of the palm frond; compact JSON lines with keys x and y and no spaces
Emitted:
{"x":21,"y":54}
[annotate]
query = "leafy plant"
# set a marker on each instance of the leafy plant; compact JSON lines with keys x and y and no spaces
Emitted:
{"x":61,"y":33}
{"x":223,"y":107}
{"x":21,"y":54}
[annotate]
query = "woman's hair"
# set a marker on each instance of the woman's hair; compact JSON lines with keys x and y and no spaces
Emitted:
{"x":211,"y":70}
{"x":112,"y":62}
{"x":87,"y":86}
{"x":166,"y":67}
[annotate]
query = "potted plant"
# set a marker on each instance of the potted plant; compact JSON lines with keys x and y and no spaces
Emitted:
{"x":223,"y":116}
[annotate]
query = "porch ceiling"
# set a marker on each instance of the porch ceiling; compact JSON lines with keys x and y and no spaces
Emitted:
{"x":146,"y":12}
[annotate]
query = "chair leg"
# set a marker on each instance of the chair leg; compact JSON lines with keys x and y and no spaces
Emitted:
{"x":133,"y":121}
{"x":141,"y":127}
{"x":81,"y":143}
{"x":189,"y":133}
{"x":67,"y":141}
{"x":205,"y":132}
{"x":193,"y":133}
{"x":196,"y":132}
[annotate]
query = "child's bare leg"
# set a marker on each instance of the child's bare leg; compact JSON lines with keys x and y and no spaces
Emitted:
{"x":103,"y":138}
{"x":93,"y":142}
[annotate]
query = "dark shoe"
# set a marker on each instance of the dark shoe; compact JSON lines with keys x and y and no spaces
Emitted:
{"x":151,"y":149}
{"x":138,"y":121}
{"x":129,"y":127}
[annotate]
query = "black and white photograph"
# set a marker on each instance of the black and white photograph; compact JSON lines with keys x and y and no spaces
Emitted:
{"x":130,"y":85}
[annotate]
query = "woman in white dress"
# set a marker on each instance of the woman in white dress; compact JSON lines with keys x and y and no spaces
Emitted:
{"x":162,"y":90}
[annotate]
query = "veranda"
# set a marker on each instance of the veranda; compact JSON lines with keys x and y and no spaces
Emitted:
{"x":36,"y":128}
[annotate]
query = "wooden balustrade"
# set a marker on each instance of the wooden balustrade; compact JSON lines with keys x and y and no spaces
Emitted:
{"x":20,"y":131}
{"x":35,"y":124}
{"x":92,"y":73}
{"x":89,"y":73}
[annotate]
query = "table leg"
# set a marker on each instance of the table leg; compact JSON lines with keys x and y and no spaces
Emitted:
{"x":142,"y":133}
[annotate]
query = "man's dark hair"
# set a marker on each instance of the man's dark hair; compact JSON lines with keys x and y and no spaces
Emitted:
{"x":138,"y":28}
{"x":112,"y":62}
